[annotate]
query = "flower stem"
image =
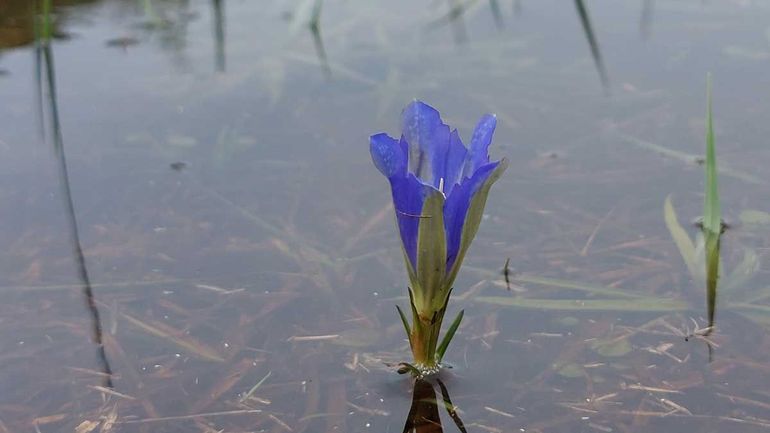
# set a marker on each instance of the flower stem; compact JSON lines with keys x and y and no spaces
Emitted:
{"x":424,"y":338}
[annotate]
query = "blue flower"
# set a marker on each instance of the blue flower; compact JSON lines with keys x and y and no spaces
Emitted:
{"x":439,"y":191}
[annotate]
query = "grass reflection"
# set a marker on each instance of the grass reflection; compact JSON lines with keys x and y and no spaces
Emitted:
{"x":219,"y":34}
{"x":46,"y":76}
{"x":585,"y":21}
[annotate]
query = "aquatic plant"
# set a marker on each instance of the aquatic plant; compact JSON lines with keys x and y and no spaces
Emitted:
{"x":712,"y":215}
{"x":439,"y":190}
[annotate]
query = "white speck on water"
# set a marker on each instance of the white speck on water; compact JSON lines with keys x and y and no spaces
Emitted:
{"x":177,"y":355}
{"x":376,"y":294}
{"x":368,"y":425}
{"x":227,"y":345}
{"x":585,"y":418}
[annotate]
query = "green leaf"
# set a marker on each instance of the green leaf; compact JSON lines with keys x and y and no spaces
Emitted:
{"x":636,"y":305}
{"x":712,"y":216}
{"x":473,"y":219}
{"x":681,"y":238}
{"x":431,"y":254}
{"x":450,"y":333}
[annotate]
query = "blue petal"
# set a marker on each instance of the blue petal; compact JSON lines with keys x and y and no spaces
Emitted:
{"x":455,"y":161}
{"x":478,"y":154}
{"x":387,"y":154}
{"x":408,"y":198}
{"x":456,"y":207}
{"x":428,"y":139}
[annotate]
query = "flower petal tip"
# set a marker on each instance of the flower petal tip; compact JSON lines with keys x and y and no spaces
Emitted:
{"x":387,"y":154}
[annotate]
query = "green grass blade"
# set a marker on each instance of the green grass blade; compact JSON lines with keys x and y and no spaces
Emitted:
{"x":636,"y":305}
{"x":712,"y":217}
{"x":450,"y":333}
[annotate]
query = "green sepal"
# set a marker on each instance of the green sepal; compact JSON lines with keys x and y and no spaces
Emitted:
{"x":450,"y":333}
{"x":431,"y":253}
{"x":473,"y":219}
{"x":406,"y":325}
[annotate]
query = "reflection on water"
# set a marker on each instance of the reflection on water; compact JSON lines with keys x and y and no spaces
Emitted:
{"x":219,"y":34}
{"x":424,"y":414}
{"x":46,"y":84}
{"x":238,"y":262}
{"x":585,"y":21}
{"x":646,"y":18}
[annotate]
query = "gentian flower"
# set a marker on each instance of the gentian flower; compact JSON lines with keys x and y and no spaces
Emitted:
{"x":439,"y":190}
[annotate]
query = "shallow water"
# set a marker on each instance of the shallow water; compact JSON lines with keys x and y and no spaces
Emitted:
{"x":234,"y":232}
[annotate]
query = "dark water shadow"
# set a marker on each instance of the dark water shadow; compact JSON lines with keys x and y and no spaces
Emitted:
{"x":46,"y":76}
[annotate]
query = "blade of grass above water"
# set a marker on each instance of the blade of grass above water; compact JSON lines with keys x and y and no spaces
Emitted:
{"x":712,"y":216}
